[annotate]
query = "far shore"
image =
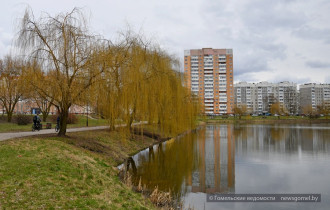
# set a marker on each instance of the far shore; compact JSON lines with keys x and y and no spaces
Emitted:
{"x":267,"y":120}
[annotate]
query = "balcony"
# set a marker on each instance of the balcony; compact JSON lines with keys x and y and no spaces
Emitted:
{"x":208,"y":67}
{"x":208,"y":71}
{"x":208,"y":101}
{"x":208,"y":97}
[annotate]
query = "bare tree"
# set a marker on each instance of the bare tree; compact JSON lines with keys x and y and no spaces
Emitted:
{"x":11,"y":85}
{"x":66,"y":51}
{"x":240,"y":110}
{"x":308,"y":110}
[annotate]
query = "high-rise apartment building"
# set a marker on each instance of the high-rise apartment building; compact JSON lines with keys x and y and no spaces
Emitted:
{"x":314,"y":95}
{"x":209,"y":74}
{"x":258,"y":97}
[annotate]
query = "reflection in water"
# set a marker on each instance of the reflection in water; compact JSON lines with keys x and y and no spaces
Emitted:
{"x":216,"y":161}
{"x":239,"y":159}
{"x":202,"y":161}
{"x":278,"y":139}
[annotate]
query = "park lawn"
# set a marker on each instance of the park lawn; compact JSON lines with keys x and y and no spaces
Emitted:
{"x":13,"y":127}
{"x":74,"y":172}
{"x":91,"y":122}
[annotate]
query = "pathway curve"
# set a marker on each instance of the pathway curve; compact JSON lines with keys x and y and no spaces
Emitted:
{"x":6,"y":136}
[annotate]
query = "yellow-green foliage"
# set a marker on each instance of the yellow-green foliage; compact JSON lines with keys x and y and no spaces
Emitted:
{"x":141,"y":85}
{"x":130,"y":80}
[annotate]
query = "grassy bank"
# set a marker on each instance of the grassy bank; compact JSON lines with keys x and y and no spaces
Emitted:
{"x":72,"y":172}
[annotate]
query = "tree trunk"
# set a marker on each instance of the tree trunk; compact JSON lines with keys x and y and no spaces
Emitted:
{"x":44,"y":116}
{"x":129,"y":123}
{"x":63,"y":122}
{"x":111,"y":122}
{"x":9,"y":116}
{"x":112,"y":126}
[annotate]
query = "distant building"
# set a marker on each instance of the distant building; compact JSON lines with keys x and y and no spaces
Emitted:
{"x":30,"y":106}
{"x":209,"y":74}
{"x":259,"y":97}
{"x":314,"y":95}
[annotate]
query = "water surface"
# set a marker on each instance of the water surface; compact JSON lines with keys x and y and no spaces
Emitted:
{"x":241,"y":159}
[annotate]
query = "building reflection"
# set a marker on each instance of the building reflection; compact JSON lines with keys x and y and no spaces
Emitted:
{"x":203,"y":161}
{"x":216,"y":161}
{"x":278,"y":139}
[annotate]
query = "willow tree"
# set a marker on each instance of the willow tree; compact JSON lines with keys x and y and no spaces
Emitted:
{"x":108,"y":90}
{"x":175,"y":109}
{"x":65,"y":49}
{"x":11,"y":84}
{"x":135,"y":84}
{"x":144,"y":87}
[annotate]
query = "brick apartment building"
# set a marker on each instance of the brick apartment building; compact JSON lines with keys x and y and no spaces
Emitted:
{"x":209,"y":74}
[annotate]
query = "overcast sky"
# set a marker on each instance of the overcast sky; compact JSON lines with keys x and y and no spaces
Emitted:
{"x":272,"y":40}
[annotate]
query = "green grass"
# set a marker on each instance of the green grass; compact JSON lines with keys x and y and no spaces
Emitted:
{"x":91,"y":122}
{"x":13,"y":127}
{"x":54,"y":172}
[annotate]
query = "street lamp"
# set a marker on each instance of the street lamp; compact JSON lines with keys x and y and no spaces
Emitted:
{"x":87,"y":115}
{"x":87,"y":104}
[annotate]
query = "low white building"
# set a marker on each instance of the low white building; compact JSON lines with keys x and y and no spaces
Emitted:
{"x":314,"y":95}
{"x":258,"y":97}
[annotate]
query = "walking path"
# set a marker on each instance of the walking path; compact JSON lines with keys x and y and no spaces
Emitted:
{"x":5,"y":136}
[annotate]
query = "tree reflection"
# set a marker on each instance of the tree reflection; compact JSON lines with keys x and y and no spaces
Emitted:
{"x":203,"y":161}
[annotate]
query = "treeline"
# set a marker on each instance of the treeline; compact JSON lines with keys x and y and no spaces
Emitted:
{"x":127,"y":80}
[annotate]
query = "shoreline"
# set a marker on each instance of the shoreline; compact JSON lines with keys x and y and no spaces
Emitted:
{"x":267,"y":121}
{"x":159,"y":142}
{"x":125,"y":176}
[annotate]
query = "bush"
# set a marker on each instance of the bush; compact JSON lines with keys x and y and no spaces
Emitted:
{"x":72,"y":119}
{"x":3,"y":118}
{"x":52,"y":118}
{"x":22,"y":119}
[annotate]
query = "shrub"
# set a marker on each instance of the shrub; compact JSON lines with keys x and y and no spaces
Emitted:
{"x":72,"y":119}
{"x":3,"y":118}
{"x":22,"y":119}
{"x":52,"y":118}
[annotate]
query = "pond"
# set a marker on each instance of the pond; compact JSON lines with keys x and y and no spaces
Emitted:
{"x":252,"y":159}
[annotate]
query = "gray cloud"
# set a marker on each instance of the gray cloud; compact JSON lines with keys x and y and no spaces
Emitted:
{"x":327,"y":80}
{"x":297,"y":80}
{"x":270,"y":15}
{"x":318,"y":64}
{"x":313,"y":33}
{"x":264,"y":34}
{"x":5,"y":42}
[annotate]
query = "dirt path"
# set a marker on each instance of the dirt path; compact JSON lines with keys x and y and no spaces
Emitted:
{"x":5,"y":136}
